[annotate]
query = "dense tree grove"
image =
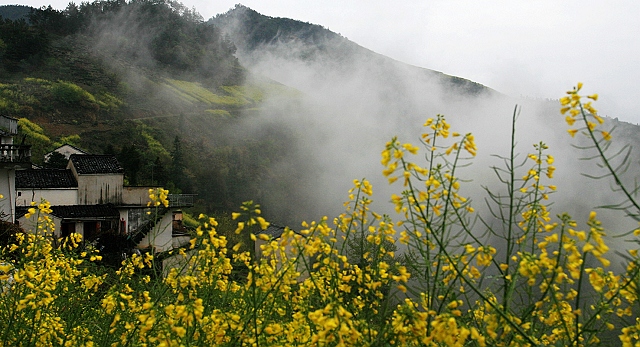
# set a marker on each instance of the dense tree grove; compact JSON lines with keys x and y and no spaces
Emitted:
{"x":179,"y":41}
{"x":21,"y":43}
{"x":260,"y":29}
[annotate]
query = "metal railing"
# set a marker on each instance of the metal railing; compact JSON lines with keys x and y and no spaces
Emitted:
{"x":181,"y":200}
{"x":15,"y":153}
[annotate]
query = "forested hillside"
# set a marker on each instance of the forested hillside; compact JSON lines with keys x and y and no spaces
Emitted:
{"x":146,"y":80}
{"x":15,"y":12}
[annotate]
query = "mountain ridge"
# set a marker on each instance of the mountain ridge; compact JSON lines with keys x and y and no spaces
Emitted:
{"x":252,"y":31}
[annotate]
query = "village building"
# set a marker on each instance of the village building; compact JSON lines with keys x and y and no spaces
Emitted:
{"x":88,"y":197}
{"x":65,"y":150}
{"x":12,"y":158}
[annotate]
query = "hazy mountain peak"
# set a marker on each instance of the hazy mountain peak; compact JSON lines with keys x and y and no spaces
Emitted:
{"x":250,"y":29}
{"x":260,"y":39}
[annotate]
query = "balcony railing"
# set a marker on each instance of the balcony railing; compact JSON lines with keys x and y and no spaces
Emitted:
{"x":15,"y":153}
{"x":181,"y":200}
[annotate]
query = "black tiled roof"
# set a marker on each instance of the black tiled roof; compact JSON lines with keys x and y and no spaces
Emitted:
{"x":77,"y":211}
{"x":21,"y":211}
{"x":95,"y":164}
{"x":45,"y":178}
{"x":274,"y":231}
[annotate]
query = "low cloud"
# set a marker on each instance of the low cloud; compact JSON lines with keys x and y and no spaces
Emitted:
{"x":350,"y":108}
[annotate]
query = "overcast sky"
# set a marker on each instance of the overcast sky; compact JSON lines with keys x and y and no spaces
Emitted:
{"x":537,"y":49}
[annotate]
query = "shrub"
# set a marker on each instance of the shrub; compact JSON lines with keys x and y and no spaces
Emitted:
{"x":71,"y":94}
{"x":109,"y":102}
{"x":35,"y":136}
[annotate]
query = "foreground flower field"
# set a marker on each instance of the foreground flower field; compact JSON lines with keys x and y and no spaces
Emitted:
{"x":361,"y":279}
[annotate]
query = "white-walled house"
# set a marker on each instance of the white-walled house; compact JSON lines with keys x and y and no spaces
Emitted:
{"x":12,"y":158}
{"x":89,"y":197}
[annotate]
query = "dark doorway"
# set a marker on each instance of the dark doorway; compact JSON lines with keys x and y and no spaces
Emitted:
{"x":90,"y":230}
{"x":66,"y":228}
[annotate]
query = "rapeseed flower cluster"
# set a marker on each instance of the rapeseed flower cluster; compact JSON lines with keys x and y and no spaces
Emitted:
{"x":429,"y":277}
{"x":43,"y":222}
{"x":158,"y":196}
{"x":574,"y":107}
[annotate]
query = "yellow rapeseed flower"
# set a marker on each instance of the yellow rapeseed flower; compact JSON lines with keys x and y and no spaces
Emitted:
{"x":240,"y":227}
{"x":263,"y":223}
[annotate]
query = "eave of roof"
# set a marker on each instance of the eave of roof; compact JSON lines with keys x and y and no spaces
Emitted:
{"x":274,"y":231}
{"x":87,"y":212}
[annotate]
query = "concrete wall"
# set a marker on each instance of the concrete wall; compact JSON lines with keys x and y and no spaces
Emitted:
{"x":100,"y":189}
{"x":135,"y":195}
{"x":178,"y":261}
{"x":31,"y":225}
{"x":7,"y":189}
{"x":57,"y":197}
{"x":160,"y":237}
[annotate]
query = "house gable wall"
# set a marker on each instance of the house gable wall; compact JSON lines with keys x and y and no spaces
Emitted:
{"x":160,"y":238}
{"x":100,"y":189}
{"x":66,"y":150}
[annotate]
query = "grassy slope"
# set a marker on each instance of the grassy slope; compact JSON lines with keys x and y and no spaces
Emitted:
{"x":74,"y":93}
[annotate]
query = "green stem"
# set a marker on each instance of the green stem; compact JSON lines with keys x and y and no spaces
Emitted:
{"x":606,"y":162}
{"x":508,"y":285}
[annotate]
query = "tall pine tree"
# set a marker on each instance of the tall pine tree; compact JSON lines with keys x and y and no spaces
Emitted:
{"x":177,"y":165}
